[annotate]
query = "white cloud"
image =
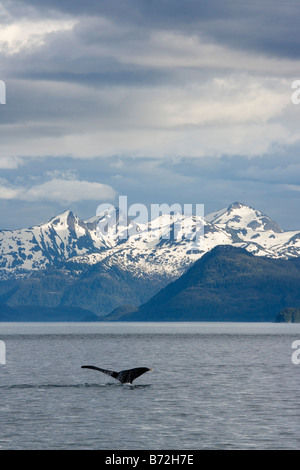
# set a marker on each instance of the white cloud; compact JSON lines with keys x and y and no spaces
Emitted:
{"x":292,"y":187}
{"x":213,"y":99}
{"x":8,"y":193}
{"x":87,"y":81}
{"x":27,"y":34}
{"x":9,"y":163}
{"x":234,"y":114}
{"x":60,"y":190}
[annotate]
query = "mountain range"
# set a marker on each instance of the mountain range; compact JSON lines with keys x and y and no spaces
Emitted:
{"x":92,"y":267}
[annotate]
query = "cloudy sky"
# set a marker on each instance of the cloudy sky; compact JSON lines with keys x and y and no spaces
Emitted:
{"x":164,"y":101}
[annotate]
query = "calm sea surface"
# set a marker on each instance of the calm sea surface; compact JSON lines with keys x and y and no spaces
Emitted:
{"x":214,"y":386}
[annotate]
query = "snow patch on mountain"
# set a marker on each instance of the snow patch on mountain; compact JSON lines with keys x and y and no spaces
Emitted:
{"x":244,"y":218}
{"x":165,"y":246}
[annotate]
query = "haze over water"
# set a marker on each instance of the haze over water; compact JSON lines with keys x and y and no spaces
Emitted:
{"x":214,"y":386}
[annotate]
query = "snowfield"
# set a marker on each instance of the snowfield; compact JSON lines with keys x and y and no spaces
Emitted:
{"x":167,"y":245}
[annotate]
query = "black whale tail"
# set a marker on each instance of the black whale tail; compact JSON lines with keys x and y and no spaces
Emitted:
{"x":112,"y":373}
{"x":124,"y":376}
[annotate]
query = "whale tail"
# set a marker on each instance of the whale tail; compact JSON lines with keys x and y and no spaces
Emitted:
{"x":124,"y":376}
{"x":112,"y":373}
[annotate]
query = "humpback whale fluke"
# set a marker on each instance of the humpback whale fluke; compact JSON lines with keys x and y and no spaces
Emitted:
{"x":124,"y":376}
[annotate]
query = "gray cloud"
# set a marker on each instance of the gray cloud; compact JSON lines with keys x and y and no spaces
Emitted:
{"x":269,"y":184}
{"x":165,"y":101}
{"x":269,"y":26}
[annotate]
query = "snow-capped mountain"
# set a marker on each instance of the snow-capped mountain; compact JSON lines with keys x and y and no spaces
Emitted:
{"x":243,"y":218}
{"x":50,"y":243}
{"x":163,"y":247}
{"x":256,"y":232}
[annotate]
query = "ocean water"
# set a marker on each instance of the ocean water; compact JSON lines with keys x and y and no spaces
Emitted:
{"x":214,"y":386}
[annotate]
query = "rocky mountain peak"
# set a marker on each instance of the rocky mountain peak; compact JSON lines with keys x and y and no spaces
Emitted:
{"x":143,"y":249}
{"x":238,"y":216}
